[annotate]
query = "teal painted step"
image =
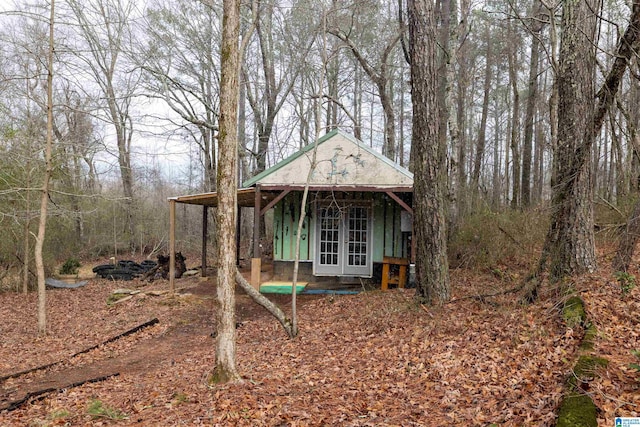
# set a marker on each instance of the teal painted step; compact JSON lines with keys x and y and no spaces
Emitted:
{"x":281,"y":288}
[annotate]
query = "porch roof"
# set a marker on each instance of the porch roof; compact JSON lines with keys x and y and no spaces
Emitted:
{"x":269,"y":192}
{"x":246,"y":198}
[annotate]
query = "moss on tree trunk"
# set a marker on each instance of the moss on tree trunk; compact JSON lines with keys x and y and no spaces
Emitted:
{"x":577,"y":410}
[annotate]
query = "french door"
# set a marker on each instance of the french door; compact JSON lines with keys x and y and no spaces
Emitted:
{"x":343,"y":241}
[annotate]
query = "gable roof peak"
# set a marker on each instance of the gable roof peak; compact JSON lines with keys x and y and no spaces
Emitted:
{"x":349,"y":159}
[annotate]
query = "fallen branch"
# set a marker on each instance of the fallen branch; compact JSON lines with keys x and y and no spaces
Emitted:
{"x":122,"y":335}
{"x":265,"y":302}
{"x":127,"y":298}
{"x":513,"y":239}
{"x":426,"y":310}
{"x":481,"y":297}
{"x":15,"y":404}
{"x":86,"y":350}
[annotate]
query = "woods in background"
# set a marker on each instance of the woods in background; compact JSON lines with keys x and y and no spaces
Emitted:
{"x":134,"y":82}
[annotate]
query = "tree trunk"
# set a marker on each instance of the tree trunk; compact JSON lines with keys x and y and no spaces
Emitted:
{"x":570,"y":241}
{"x":462,"y":91}
{"x":380,"y":78}
{"x":628,"y":241}
{"x":357,"y":102}
{"x":482,"y":131}
{"x":496,"y":185}
{"x":263,"y":301}
{"x":617,"y":159}
{"x":532,"y":98}
{"x":333,"y":76}
{"x":515,"y":123}
{"x":44,"y":202}
{"x":432,"y":269}
{"x":448,"y":120}
{"x":27,"y":226}
{"x":538,"y":165}
{"x":226,"y":370}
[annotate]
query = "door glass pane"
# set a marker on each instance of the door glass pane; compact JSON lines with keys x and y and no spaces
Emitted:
{"x":357,"y":244}
{"x":329,"y":227}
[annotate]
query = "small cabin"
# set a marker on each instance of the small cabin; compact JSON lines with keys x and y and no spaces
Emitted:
{"x":358,"y":210}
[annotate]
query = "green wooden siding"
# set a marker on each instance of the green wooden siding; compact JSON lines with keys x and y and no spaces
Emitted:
{"x":387,"y":236}
{"x":285,"y":227}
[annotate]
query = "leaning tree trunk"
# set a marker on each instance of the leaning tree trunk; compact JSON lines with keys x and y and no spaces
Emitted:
{"x":569,"y":242}
{"x":225,"y":369}
{"x":266,"y":303}
{"x":628,"y":241}
{"x":432,"y":269}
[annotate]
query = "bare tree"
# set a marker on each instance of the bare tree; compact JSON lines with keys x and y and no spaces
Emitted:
{"x":104,"y":28}
{"x":537,"y":24}
{"x":226,"y":213}
{"x":481,"y":141}
{"x":181,"y":65}
{"x":272,"y":72}
{"x":515,"y":118}
{"x":379,"y":70}
{"x":44,"y":201}
{"x":569,"y":241}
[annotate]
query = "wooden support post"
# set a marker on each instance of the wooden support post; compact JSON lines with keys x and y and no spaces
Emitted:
{"x":256,"y":261}
{"x":172,"y":245}
{"x":385,"y":276}
{"x":402,"y":276}
{"x":399,"y":201}
{"x":400,"y":279}
{"x":256,"y":267}
{"x":238,"y":237}
{"x":256,"y":223}
{"x":205,"y":236}
{"x":413,"y":244}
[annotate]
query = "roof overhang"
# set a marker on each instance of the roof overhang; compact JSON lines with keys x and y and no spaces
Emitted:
{"x":344,"y":187}
{"x":246,"y":198}
{"x":268,"y":192}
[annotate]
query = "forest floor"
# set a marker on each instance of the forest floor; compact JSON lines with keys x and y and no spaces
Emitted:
{"x":372,"y":359}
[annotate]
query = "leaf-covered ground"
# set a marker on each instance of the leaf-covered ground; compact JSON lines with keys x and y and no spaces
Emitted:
{"x":373,"y":359}
{"x":616,"y":314}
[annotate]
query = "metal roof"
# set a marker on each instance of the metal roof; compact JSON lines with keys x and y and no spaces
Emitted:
{"x":305,"y":150}
{"x":246,"y":198}
{"x":270,"y":190}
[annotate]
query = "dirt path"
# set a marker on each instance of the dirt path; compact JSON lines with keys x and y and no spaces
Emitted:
{"x":143,"y":356}
{"x":173,"y":338}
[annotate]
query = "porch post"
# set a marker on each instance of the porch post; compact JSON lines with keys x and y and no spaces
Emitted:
{"x":238,"y":237}
{"x":205,"y":235}
{"x":256,"y":261}
{"x":172,"y":244}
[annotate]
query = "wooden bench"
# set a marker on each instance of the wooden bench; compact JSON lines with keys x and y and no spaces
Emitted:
{"x":388,"y":278}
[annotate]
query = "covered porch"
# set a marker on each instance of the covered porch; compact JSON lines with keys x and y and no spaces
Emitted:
{"x":262,"y":198}
{"x":358,"y":213}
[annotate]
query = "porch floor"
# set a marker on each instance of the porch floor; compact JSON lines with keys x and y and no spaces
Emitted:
{"x":327,"y":284}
